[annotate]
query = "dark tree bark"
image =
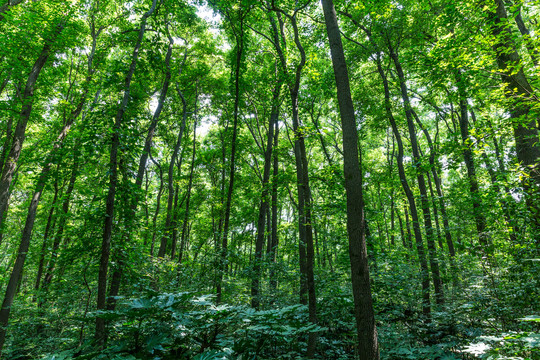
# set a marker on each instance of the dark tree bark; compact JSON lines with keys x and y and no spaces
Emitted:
{"x":29,"y":225}
{"x":504,"y":190}
{"x":275,"y":213}
{"x":170,"y":180}
{"x":60,"y":232}
{"x":129,"y":215}
{"x":264,"y":204}
{"x":368,"y":347}
{"x":438,"y":187}
{"x":518,"y":92}
{"x":100,"y":333}
{"x":478,"y":211}
{"x":432,"y":252}
{"x":48,"y":229}
{"x":239,"y":38}
{"x":158,"y":205}
{"x":183,"y":236}
{"x":426,"y":306}
{"x":305,"y":243}
{"x":7,"y":143}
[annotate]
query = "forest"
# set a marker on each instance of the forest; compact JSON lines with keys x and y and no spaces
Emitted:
{"x":272,"y":179}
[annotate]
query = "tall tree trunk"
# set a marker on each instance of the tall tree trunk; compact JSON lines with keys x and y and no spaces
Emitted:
{"x":232,"y":164}
{"x":170,"y":181}
{"x":478,"y":211}
{"x":518,"y":92}
{"x":438,"y":188}
{"x":158,"y":205}
{"x":48,"y":229}
{"x":28,"y":227}
{"x":305,"y":243}
{"x":275,"y":213}
{"x":424,"y":272}
{"x":264,"y":204}
{"x":368,"y":347}
{"x":100,"y":333}
{"x":60,"y":232}
{"x":432,"y":251}
{"x":190,"y":185}
{"x":7,"y":142}
{"x":504,"y":191}
{"x":130,"y":213}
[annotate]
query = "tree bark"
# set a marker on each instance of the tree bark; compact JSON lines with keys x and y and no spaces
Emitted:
{"x":518,"y":92}
{"x":170,"y":196}
{"x":264,"y":204}
{"x":432,"y":252}
{"x":478,"y":211}
{"x":190,"y":185}
{"x":424,"y":272}
{"x":368,"y":347}
{"x":100,"y":333}
{"x":222,"y":268}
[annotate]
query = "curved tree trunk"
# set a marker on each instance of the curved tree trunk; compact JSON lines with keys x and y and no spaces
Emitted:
{"x":424,"y":272}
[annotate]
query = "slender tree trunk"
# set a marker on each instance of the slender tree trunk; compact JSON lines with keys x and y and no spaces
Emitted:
{"x":275,"y":213}
{"x":60,"y":232}
{"x":130,"y":213}
{"x":100,"y":333}
{"x":504,"y":191}
{"x":7,"y":142}
{"x":432,"y":252}
{"x":27,"y":231}
{"x":424,"y":272}
{"x":368,"y":347}
{"x":527,"y":38}
{"x":232,"y":169}
{"x":401,"y":229}
{"x":478,"y":211}
{"x":170,"y":181}
{"x":48,"y":228}
{"x":190,"y":184}
{"x":408,"y":225}
{"x":158,"y":205}
{"x":438,"y":188}
{"x":264,"y":204}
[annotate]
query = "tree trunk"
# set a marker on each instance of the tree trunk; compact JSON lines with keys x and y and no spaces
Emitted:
{"x":424,"y":272}
{"x":222,"y":268}
{"x":190,"y":184}
{"x":48,"y":228}
{"x":263,"y":207}
{"x":100,"y":333}
{"x":432,"y":252}
{"x":368,"y":347}
{"x":518,"y":92}
{"x":170,"y":197}
{"x":478,"y":211}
